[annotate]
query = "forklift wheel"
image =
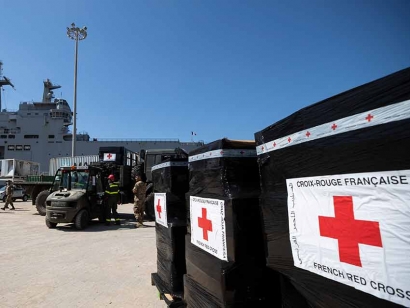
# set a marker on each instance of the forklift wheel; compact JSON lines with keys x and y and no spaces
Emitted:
{"x":50,"y":225}
{"x":81,"y":220}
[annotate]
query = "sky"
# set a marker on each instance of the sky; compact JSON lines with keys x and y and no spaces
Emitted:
{"x":161,"y":69}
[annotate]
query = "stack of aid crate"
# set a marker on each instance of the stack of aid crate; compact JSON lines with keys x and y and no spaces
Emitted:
{"x":225,"y":256}
{"x":335,"y":197}
{"x":170,"y":180}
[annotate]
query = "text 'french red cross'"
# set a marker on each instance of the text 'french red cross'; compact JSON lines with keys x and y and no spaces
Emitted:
{"x":348,"y":231}
{"x":109,"y":156}
{"x":159,"y":208}
{"x":369,"y":117}
{"x":205,"y":224}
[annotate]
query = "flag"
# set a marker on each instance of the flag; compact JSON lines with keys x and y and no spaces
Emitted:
{"x":193,"y":133}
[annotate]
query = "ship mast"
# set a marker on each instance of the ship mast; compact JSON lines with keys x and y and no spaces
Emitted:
{"x":48,"y":94}
{"x":4,"y":81}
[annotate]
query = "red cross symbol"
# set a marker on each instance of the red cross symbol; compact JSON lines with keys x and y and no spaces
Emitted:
{"x":159,"y":208}
{"x":241,"y":152}
{"x":205,"y":224}
{"x":109,"y":156}
{"x":222,"y":152}
{"x":263,"y":148}
{"x":308,"y":134}
{"x":334,"y":126}
{"x":369,"y":117}
{"x":274,"y":144}
{"x":348,"y":231}
{"x":289,"y":139}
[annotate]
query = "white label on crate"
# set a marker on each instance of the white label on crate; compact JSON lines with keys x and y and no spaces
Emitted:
{"x":160,"y":207}
{"x":208,"y":230}
{"x":354,"y":229}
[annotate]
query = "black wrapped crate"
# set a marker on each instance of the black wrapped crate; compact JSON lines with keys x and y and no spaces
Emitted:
{"x":170,"y":180}
{"x":231,"y":284}
{"x":335,"y":196}
{"x":224,"y":250}
{"x":171,"y":257}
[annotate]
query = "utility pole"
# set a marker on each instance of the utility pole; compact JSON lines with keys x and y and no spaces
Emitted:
{"x":77,"y":34}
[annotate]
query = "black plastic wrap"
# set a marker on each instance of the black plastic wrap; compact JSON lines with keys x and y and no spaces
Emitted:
{"x":171,"y":177}
{"x":291,"y":297}
{"x":232,"y":284}
{"x":196,"y":296}
{"x":171,"y":256}
{"x":376,"y":148}
{"x":224,"y":177}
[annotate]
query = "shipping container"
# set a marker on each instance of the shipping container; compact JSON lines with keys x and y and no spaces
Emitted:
{"x":83,"y":160}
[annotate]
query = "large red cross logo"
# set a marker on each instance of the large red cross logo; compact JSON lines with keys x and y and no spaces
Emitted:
{"x":348,"y":231}
{"x":205,"y":224}
{"x":109,"y":156}
{"x":159,"y":208}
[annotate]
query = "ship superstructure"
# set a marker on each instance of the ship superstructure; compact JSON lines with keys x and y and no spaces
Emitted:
{"x":38,"y":131}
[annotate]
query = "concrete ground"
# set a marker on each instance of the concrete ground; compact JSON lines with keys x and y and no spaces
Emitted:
{"x":102,"y":266}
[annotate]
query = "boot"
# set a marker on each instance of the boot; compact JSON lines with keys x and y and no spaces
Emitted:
{"x":118,"y":222}
{"x":107,"y":223}
{"x":3,"y":208}
{"x":13,"y":208}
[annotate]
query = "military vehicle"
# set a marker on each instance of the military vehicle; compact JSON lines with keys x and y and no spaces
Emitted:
{"x":151,"y":158}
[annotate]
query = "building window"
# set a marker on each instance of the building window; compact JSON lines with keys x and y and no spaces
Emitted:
{"x":3,"y":136}
{"x":27,"y":147}
{"x":36,"y":113}
{"x":6,"y":130}
{"x":51,"y":136}
{"x":12,"y":136}
{"x":30,"y":136}
{"x":10,"y":147}
{"x":19,"y":148}
{"x":28,"y":113}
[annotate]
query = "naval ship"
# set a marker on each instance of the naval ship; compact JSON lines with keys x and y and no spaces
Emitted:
{"x":38,"y":131}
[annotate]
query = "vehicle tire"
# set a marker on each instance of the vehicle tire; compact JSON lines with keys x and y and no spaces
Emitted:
{"x":50,"y":225}
{"x":25,"y":198}
{"x":82,"y":219}
{"x":41,"y":202}
{"x":149,"y":188}
{"x":149,"y":207}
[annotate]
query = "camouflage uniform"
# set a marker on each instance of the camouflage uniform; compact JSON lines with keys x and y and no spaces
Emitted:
{"x":9,"y":198}
{"x":139,"y":191}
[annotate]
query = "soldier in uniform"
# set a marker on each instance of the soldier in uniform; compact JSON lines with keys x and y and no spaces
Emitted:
{"x":9,"y":198}
{"x":112,"y":199}
{"x":139,"y":199}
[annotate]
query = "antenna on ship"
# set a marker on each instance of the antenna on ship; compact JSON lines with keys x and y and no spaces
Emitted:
{"x":4,"y":81}
{"x":48,"y":94}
